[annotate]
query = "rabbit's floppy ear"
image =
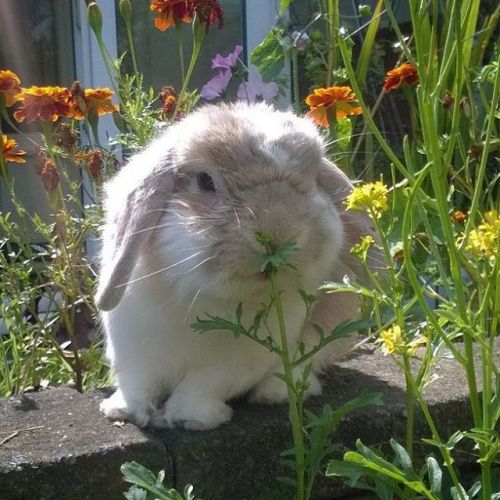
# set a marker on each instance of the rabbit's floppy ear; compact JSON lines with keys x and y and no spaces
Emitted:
{"x":337,"y":186}
{"x":131,"y":219}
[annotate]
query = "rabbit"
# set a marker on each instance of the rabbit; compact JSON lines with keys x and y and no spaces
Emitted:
{"x":179,"y":241}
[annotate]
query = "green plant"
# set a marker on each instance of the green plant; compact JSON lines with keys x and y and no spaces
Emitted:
{"x":311,"y":433}
{"x":147,"y":486}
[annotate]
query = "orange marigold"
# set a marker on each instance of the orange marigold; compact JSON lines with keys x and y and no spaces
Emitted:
{"x":47,"y":171}
{"x":168,"y":12}
{"x":96,"y":101}
{"x":10,"y":86}
{"x":339,"y":99}
{"x":9,"y":151}
{"x":43,"y":103}
{"x":404,"y":73}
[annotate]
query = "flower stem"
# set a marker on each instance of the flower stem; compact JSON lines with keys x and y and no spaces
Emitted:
{"x":332,"y":10}
{"x":295,"y":80}
{"x":132,"y":48}
{"x":198,"y":35}
{"x":180,"y":45}
{"x":410,"y":409}
{"x":293,"y":401}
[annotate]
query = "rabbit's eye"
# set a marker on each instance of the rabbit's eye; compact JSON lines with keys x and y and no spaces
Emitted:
{"x":205,"y":182}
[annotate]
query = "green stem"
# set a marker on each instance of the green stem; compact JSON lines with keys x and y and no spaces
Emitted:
{"x":130,"y":37}
{"x":293,"y":402}
{"x":107,"y":63}
{"x":332,"y":8}
{"x":180,"y":45}
{"x":295,"y":80}
{"x":197,"y":39}
{"x":410,"y":408}
{"x":367,"y":115}
{"x":478,"y":191}
{"x":445,"y":452}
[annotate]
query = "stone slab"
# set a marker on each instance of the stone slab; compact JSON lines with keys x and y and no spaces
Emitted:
{"x":56,"y":445}
{"x":64,"y":448}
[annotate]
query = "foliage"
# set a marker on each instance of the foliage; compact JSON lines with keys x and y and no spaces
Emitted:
{"x":147,"y":486}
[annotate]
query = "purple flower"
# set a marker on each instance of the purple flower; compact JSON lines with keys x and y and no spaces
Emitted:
{"x":229,"y":61}
{"x":255,"y":88}
{"x":216,"y":86}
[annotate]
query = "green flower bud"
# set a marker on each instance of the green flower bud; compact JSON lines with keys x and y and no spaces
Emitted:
{"x":94,"y":16}
{"x":126,"y":10}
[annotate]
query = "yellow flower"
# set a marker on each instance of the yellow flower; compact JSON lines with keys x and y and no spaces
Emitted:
{"x":361,"y":249}
{"x":393,"y":342}
{"x":339,"y":99}
{"x":370,"y":198}
{"x":483,"y":241}
{"x":9,"y":153}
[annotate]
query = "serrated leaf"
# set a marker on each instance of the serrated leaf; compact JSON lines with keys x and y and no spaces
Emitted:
{"x":136,"y":493}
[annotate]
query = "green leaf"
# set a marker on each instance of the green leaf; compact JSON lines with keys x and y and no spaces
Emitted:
{"x":456,"y":495}
{"x":284,"y":4}
{"x":403,"y":458}
{"x":344,"y":132}
{"x":216,"y":323}
{"x":340,"y":468}
{"x":269,"y":55}
{"x":435,"y":475}
{"x":139,"y":475}
{"x":136,"y":493}
{"x":369,"y":39}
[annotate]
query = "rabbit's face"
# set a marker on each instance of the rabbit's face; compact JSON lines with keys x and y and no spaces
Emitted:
{"x":235,"y":180}
{"x":190,"y":208}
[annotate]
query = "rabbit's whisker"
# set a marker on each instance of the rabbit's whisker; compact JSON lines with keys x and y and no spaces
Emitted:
{"x":196,"y":295}
{"x":140,"y":278}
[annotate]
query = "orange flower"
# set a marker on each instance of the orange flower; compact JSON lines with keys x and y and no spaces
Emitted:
{"x":339,"y":99}
{"x":405,"y":73}
{"x":9,"y":153}
{"x":458,"y":216}
{"x":44,"y":103}
{"x":10,"y":86}
{"x":169,"y":12}
{"x":47,"y":171}
{"x":95,"y":164}
{"x":96,"y":101}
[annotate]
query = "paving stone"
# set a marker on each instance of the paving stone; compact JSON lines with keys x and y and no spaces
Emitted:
{"x":61,"y":447}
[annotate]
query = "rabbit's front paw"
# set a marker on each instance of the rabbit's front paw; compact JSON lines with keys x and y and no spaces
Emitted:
{"x":116,"y":408}
{"x":272,"y":390}
{"x":195,"y":415}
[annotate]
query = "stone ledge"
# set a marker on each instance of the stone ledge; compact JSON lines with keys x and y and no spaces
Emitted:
{"x":61,"y":447}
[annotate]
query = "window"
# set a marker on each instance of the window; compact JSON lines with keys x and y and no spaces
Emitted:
{"x":37,"y":44}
